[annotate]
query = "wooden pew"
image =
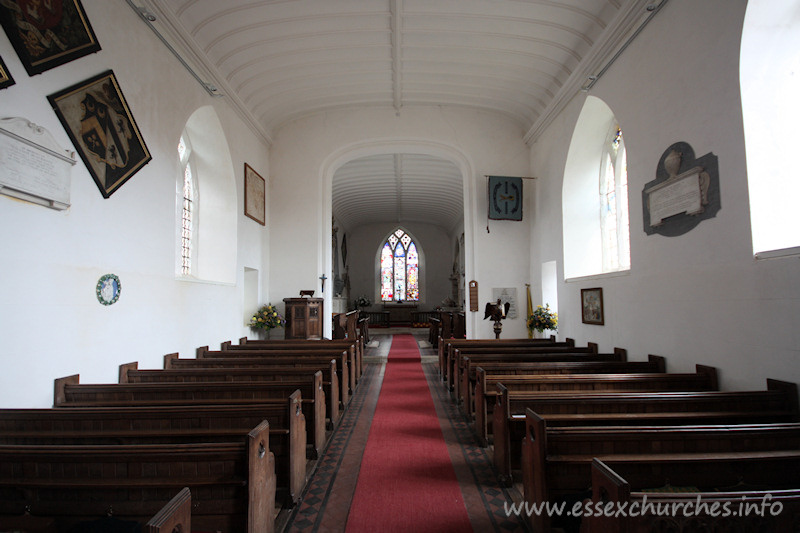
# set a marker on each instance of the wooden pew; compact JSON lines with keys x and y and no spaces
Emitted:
{"x":542,"y":352}
{"x":569,"y":364}
{"x":175,"y":516}
{"x":486,"y":387}
{"x":79,"y":482}
{"x":69,"y":392}
{"x":446,"y":318}
{"x":776,"y":404}
{"x":345,"y":325}
{"x":355,"y":345}
{"x":171,"y":425}
{"x":445,"y":345}
{"x":237,"y":359}
{"x":556,"y":462}
{"x":459,"y":325}
{"x":473,"y":361}
{"x":363,"y":330}
{"x":196,"y":372}
{"x":339,"y":329}
{"x":290,"y":349}
{"x":739,"y":494}
{"x":434,"y":331}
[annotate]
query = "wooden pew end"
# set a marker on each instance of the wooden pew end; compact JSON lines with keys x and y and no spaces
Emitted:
{"x":59,"y":395}
{"x":168,"y":360}
{"x":123,"y":370}
{"x":174,"y":516}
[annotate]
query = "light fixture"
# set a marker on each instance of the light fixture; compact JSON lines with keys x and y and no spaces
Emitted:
{"x":149,"y":18}
{"x":652,"y":9}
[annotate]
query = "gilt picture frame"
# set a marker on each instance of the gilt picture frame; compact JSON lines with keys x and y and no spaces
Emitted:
{"x":5,"y":78}
{"x":592,"y":311}
{"x":101,"y":126}
{"x":254,"y":195}
{"x":46,"y":35}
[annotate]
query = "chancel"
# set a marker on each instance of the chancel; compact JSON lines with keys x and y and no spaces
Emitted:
{"x":295,"y":197}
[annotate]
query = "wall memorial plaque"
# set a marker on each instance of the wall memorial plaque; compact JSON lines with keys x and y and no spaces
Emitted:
{"x":506,"y":294}
{"x":32,"y":165}
{"x":684,"y":193}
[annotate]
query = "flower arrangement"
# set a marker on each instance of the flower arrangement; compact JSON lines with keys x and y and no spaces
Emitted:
{"x":267,"y":317}
{"x":543,"y":318}
{"x":362,"y":301}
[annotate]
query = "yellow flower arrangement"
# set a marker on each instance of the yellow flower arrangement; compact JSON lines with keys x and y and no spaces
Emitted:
{"x":267,"y":317}
{"x":543,"y":318}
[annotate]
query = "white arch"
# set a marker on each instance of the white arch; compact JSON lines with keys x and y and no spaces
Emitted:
{"x":372,"y":147}
{"x":583,"y":247}
{"x":216,"y":238}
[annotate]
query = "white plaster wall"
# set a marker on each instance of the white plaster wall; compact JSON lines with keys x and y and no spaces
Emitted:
{"x":51,"y":324}
{"x":305,"y":154}
{"x":700,"y":297}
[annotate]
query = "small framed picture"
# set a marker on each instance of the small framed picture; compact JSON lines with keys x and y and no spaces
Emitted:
{"x":254,"y":195}
{"x":47,"y":34}
{"x":592,"y":306}
{"x":101,"y":126}
{"x":5,"y":78}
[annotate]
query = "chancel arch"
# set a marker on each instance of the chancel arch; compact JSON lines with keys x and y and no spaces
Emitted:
{"x":380,"y":187}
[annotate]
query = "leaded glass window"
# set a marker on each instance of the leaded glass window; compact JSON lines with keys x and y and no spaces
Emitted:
{"x":187,"y":206}
{"x":399,"y":268}
{"x":614,"y":222}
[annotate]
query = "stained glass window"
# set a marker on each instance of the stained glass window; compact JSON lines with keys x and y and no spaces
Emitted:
{"x":399,"y":268}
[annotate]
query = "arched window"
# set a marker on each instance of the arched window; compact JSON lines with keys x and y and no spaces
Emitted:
{"x":595,"y":195}
{"x":188,"y":204}
{"x":205,"y":202}
{"x":399,"y":268}
{"x":769,"y":82}
{"x":614,"y":225}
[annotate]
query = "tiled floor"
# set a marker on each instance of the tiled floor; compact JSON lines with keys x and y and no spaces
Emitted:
{"x":326,"y":502}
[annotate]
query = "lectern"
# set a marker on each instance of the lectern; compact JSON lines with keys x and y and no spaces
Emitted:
{"x":303,"y":318}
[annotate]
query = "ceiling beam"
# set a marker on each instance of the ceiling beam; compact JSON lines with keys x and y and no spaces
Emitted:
{"x":396,"y":8}
{"x":398,"y":180}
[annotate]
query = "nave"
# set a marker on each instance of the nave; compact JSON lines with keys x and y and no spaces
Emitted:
{"x":326,"y":503}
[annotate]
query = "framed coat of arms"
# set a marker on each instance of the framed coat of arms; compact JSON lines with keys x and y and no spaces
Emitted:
{"x":100,"y":125}
{"x":47,"y":34}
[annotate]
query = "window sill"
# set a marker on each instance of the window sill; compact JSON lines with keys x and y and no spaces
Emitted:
{"x":778,"y":254}
{"x":604,"y":275}
{"x":189,"y":279}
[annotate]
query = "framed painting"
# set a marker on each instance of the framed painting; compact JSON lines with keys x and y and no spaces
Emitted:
{"x":47,"y":34}
{"x":100,"y":125}
{"x":5,"y":78}
{"x":254,"y":195}
{"x":592,"y":306}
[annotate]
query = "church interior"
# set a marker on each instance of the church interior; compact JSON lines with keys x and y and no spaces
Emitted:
{"x":576,"y":189}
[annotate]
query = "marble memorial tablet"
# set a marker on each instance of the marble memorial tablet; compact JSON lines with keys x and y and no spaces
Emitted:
{"x":32,"y":166}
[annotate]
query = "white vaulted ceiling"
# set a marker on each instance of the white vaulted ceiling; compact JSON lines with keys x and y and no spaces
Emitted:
{"x":398,"y":188}
{"x":279,"y":60}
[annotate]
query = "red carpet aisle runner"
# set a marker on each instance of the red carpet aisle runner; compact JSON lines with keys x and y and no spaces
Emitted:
{"x":406,"y":482}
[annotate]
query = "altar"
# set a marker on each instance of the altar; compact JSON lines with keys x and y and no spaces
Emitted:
{"x":400,"y":314}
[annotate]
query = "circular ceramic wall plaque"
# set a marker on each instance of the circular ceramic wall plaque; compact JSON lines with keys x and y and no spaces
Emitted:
{"x":108,"y":289}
